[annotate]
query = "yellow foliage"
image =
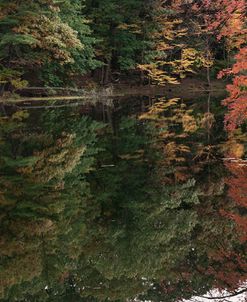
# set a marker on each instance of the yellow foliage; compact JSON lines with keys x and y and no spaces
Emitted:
{"x":175,"y":152}
{"x":137,"y":155}
{"x":19,"y":84}
{"x":189,"y":123}
{"x":20,"y":115}
{"x":51,"y":34}
{"x":208,"y":120}
{"x":191,"y":58}
{"x":166,"y":37}
{"x":233,"y":148}
{"x":237,"y":150}
{"x":158,"y":75}
{"x":158,"y":108}
{"x":134,"y":28}
{"x":56,"y":161}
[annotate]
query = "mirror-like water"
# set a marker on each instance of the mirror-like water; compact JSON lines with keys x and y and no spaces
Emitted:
{"x":121,"y":203}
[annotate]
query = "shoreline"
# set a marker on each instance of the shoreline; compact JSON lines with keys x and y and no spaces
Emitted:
{"x":188,"y":88}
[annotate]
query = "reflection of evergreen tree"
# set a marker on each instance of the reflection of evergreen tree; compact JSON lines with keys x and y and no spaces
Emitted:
{"x":34,"y":195}
{"x":137,"y":235}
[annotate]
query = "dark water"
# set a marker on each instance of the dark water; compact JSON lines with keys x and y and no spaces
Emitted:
{"x":143,"y":200}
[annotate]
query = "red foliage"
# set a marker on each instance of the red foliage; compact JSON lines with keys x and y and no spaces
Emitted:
{"x":228,"y":269}
{"x":237,"y":100}
{"x":237,"y":184}
{"x":236,"y":103}
{"x":220,"y":16}
{"x":234,"y":30}
{"x":227,"y":263}
{"x":227,"y":19}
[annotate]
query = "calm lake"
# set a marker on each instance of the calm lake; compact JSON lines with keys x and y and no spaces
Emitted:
{"x":138,"y":199}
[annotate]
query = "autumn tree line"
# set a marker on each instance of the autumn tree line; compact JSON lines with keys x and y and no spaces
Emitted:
{"x":66,"y":43}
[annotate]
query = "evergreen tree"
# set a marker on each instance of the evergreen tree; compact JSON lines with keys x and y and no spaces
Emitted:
{"x":42,"y":32}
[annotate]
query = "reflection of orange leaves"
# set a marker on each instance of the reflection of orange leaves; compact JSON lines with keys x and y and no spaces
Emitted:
{"x":181,"y":174}
{"x":189,"y":123}
{"x":134,"y":28}
{"x":63,"y":277}
{"x":205,"y":153}
{"x":238,"y":182}
{"x":208,"y":120}
{"x":237,"y":191}
{"x":158,"y":108}
{"x":234,"y":149}
{"x":175,"y":152}
{"x":57,"y":160}
{"x":227,"y":267}
{"x":241,"y":223}
{"x":25,"y":170}
{"x":32,"y":228}
{"x":138,"y":155}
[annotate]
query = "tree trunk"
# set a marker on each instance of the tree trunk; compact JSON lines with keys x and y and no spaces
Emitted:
{"x":107,"y":72}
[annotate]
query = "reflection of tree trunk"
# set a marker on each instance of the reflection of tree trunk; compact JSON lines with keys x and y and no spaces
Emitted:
{"x":45,"y":264}
{"x":3,"y":110}
{"x":208,"y":68}
{"x":107,"y":72}
{"x":102,"y":75}
{"x":142,"y":105}
{"x":2,"y":89}
{"x":103,"y":112}
{"x":208,"y":77}
{"x":208,"y":122}
{"x":142,"y":62}
{"x":110,"y":119}
{"x":142,"y":78}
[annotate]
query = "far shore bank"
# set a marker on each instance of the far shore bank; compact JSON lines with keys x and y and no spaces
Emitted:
{"x":188,"y":88}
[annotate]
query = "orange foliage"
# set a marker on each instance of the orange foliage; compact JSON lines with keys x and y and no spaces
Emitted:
{"x":238,"y":193}
{"x":237,"y":100}
{"x":226,"y":19}
{"x":233,"y":29}
{"x":228,"y":269}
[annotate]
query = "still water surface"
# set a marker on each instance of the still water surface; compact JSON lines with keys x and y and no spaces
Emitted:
{"x":140,"y":200}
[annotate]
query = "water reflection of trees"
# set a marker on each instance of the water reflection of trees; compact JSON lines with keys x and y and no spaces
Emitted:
{"x":92,"y":215}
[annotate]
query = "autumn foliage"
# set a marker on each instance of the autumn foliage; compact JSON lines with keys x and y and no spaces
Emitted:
{"x":237,"y":191}
{"x":237,"y":100}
